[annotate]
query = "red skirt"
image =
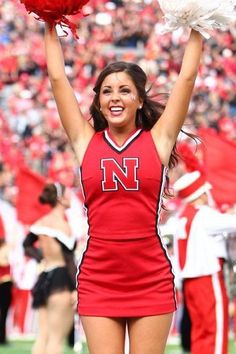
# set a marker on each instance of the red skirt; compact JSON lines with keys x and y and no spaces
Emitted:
{"x":131,"y":278}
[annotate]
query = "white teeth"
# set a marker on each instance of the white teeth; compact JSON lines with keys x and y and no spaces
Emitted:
{"x":116,"y":109}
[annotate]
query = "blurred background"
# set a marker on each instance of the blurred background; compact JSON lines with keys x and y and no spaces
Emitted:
{"x":33,"y":145}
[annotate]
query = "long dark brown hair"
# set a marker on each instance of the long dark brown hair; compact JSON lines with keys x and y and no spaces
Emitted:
{"x":151,"y":109}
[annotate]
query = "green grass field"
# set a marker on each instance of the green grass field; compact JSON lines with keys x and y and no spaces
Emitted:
{"x":23,"y":347}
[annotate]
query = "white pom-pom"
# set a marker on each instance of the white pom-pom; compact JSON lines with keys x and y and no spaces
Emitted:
{"x":201,"y":15}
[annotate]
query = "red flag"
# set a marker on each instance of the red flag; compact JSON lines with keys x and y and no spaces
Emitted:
{"x":219,"y":157}
{"x":30,"y":185}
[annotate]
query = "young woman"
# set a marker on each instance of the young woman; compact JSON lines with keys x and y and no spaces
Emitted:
{"x":54,"y":292}
{"x":125,"y":276}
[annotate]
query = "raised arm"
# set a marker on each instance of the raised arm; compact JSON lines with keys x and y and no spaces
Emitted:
{"x":77,"y":128}
{"x":166,"y":130}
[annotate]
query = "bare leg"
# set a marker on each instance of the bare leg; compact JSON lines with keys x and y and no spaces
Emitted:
{"x":60,"y":320}
{"x":42,"y":336}
{"x":148,"y":335}
{"x":104,"y":335}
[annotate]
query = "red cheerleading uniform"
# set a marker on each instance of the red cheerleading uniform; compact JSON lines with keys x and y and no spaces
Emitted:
{"x":125,"y":270}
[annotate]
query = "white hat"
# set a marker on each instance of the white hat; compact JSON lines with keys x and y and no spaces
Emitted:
{"x":191,"y":186}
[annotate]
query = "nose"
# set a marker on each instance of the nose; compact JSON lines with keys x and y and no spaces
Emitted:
{"x":115,"y":96}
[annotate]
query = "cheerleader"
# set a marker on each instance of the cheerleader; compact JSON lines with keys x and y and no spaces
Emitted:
{"x":125,"y":278}
{"x":54,"y":293}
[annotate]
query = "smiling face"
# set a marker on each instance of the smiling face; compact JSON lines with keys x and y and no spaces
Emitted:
{"x":119,"y":101}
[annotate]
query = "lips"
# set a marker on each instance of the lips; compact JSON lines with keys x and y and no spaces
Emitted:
{"x":116,"y":109}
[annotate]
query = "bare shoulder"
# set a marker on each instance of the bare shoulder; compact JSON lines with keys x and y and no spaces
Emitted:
{"x":44,"y":220}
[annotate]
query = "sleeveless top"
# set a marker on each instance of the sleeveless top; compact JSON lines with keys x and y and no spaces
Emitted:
{"x":122,"y":186}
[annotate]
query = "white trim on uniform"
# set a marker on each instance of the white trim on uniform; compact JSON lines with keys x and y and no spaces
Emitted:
{"x":67,"y":240}
{"x":127,"y":142}
{"x":219,"y":314}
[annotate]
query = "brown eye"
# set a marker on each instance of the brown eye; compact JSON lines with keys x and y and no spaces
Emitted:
{"x":125,"y":90}
{"x":106,"y":91}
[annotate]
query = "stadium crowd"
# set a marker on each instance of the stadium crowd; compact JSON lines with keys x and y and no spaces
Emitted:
{"x":30,"y":130}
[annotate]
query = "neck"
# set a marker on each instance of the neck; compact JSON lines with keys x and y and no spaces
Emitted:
{"x":59,"y":210}
{"x":120,"y":134}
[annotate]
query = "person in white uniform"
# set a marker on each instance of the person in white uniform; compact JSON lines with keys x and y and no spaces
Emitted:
{"x":201,"y":250}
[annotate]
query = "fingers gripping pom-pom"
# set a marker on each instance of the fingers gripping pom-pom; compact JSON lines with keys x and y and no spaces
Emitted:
{"x":200,"y":15}
{"x":55,"y":12}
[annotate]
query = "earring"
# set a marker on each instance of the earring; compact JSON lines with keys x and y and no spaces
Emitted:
{"x":140,"y":107}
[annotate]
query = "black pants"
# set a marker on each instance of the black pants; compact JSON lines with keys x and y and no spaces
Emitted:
{"x":5,"y":302}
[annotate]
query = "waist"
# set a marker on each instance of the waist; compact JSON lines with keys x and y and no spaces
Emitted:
{"x":47,"y":266}
{"x":126,"y":234}
{"x":122,"y":227}
{"x":123,"y":239}
{"x":52,"y":269}
{"x":5,"y":279}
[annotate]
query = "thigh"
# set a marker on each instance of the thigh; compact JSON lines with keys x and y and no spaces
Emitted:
{"x":42,"y":321}
{"x":60,"y":314}
{"x":148,"y":335}
{"x":40,"y":343}
{"x":104,"y":335}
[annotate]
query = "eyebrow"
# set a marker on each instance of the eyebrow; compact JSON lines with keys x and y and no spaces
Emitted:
{"x":122,"y":86}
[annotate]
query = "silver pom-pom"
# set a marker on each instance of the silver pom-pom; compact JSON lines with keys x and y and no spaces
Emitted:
{"x":201,"y":15}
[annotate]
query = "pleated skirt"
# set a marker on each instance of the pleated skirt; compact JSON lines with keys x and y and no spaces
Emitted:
{"x":131,"y":278}
{"x":51,"y":282}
